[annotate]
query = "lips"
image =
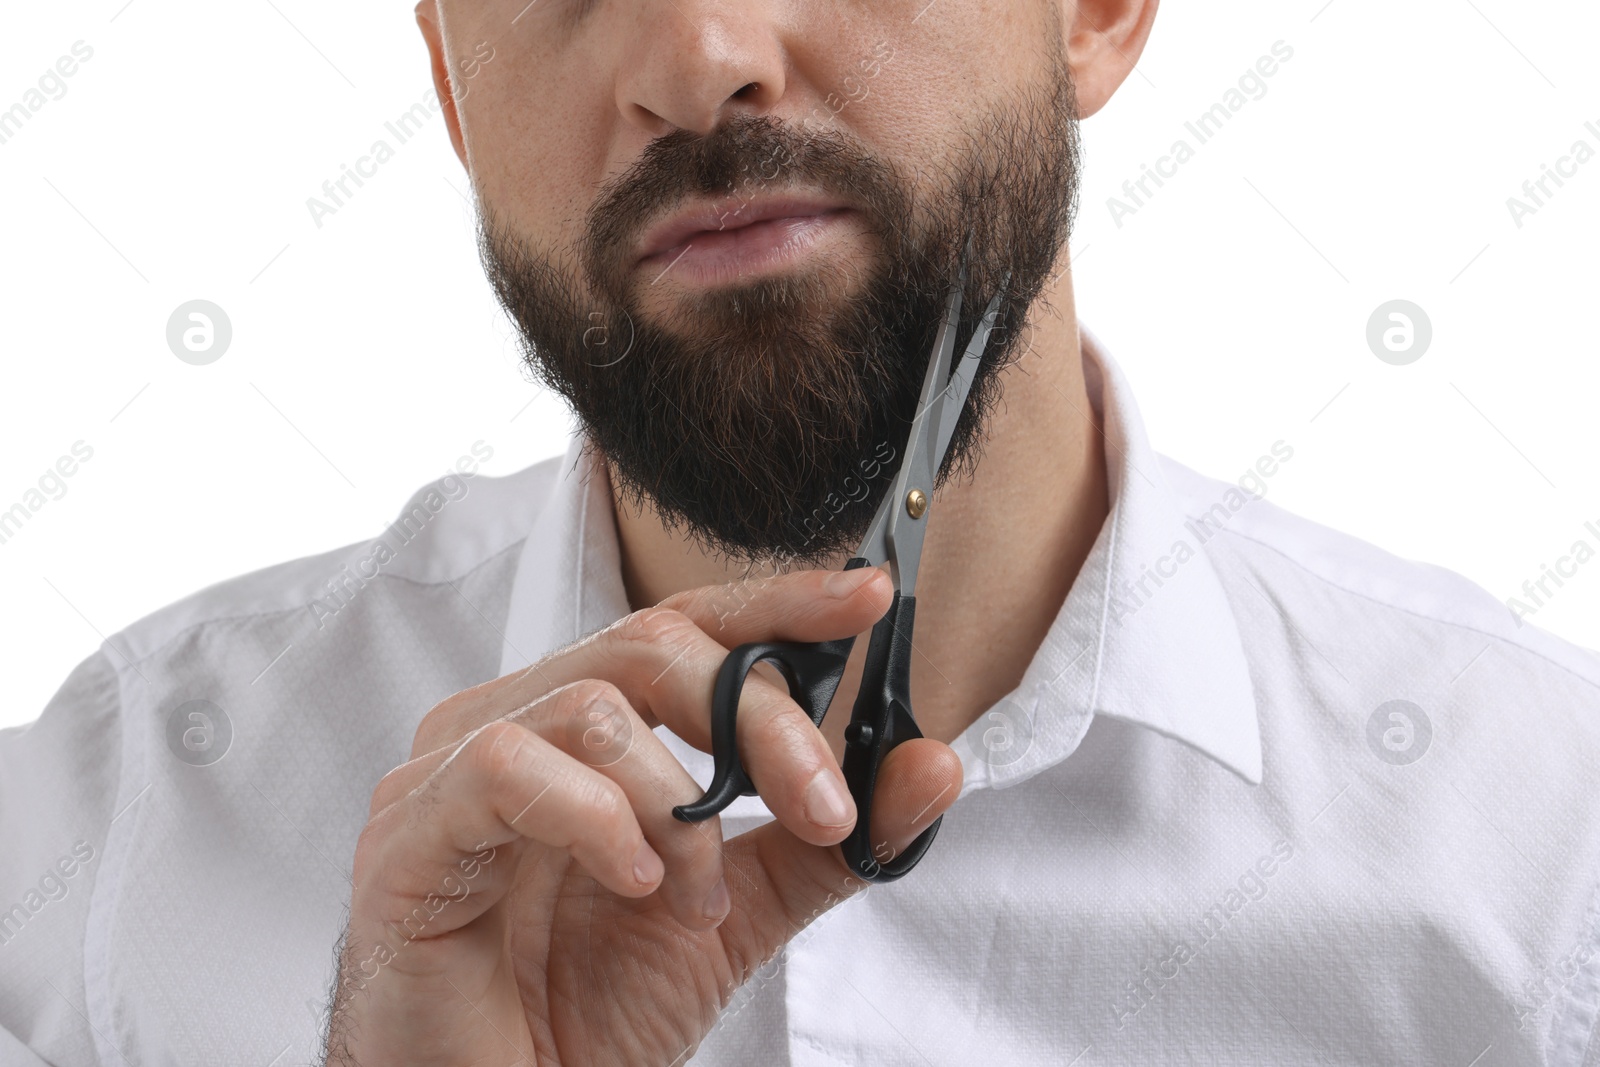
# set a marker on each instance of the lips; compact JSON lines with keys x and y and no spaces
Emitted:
{"x":729,"y":213}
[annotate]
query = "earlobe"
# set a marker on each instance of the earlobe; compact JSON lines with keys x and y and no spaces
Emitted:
{"x":1104,"y":40}
{"x":428,"y":23}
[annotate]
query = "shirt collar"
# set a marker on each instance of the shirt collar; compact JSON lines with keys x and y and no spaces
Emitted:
{"x":1145,"y":635}
{"x":569,"y":576}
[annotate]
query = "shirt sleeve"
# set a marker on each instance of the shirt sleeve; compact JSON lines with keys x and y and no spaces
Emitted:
{"x":58,"y":780}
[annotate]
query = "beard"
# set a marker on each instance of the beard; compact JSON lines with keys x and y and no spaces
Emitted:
{"x":765,"y":420}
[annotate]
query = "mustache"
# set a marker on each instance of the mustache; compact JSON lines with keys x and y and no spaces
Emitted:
{"x":743,"y":156}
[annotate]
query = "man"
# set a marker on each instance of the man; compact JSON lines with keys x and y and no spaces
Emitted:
{"x":1219,"y":785}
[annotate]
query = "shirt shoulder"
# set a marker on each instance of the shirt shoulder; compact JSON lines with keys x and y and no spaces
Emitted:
{"x":1438,"y":737}
{"x":1307,"y":567}
{"x":448,"y":528}
{"x":308,"y":676}
{"x":59,"y":777}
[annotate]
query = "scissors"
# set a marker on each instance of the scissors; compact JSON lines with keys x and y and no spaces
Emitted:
{"x":881,"y":718}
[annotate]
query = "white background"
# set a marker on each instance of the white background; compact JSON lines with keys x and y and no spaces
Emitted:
{"x":368,"y":355}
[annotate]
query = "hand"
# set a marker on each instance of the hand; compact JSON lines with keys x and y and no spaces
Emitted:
{"x":522,"y":891}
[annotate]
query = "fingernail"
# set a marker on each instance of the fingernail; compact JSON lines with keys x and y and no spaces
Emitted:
{"x":827,"y":804}
{"x":647,"y":866}
{"x":843,"y":583}
{"x":718,"y":903}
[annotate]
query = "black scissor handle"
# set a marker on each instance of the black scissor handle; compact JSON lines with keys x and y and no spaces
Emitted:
{"x":880,"y":720}
{"x":813,"y":671}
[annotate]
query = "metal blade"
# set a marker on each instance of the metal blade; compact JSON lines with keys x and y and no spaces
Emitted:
{"x":954,"y":401}
{"x":911,"y":494}
{"x":876,"y":546}
{"x":895,"y":536}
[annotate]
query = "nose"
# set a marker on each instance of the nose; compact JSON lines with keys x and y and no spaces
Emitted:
{"x":692,"y":61}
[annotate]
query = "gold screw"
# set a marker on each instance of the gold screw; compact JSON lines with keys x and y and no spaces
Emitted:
{"x":916,"y":503}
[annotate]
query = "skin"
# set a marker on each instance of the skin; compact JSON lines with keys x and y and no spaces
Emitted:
{"x":564,"y":912}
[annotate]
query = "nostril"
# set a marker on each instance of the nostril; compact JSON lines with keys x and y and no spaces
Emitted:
{"x":748,"y":90}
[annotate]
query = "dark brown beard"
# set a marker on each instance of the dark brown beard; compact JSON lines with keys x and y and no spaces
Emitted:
{"x":765,"y":420}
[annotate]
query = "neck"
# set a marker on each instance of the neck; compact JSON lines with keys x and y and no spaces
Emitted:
{"x":1002,"y":548}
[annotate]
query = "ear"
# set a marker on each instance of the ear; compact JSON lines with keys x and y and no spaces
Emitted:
{"x":428,"y":23}
{"x":1104,"y":40}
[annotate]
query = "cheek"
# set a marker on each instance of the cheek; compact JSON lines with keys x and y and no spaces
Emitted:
{"x":954,"y":64}
{"x":537,"y":154}
{"x":906,"y":97}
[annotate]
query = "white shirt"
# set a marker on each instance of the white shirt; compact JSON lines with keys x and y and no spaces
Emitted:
{"x":1199,"y":831}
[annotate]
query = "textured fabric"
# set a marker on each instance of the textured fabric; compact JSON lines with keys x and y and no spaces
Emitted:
{"x":1265,"y":795}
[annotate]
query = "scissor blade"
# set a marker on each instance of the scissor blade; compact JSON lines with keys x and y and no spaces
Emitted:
{"x":954,"y":401}
{"x":875,"y":547}
{"x":903,"y":532}
{"x":934,"y":383}
{"x":876,"y":544}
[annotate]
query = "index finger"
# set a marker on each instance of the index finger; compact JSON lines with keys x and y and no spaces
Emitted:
{"x":799,"y":606}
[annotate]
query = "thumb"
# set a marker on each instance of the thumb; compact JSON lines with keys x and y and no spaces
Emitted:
{"x":779,"y":883}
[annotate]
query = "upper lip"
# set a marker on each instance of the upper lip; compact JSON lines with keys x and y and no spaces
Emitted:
{"x":730,"y":213}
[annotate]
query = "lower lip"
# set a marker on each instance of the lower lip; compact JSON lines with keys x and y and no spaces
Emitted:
{"x":714,"y":257}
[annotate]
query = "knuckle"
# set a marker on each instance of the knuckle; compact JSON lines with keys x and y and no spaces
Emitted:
{"x":689,"y":600}
{"x":696,"y":851}
{"x":496,"y":751}
{"x":610,"y":808}
{"x":367,"y":857}
{"x":445,"y":720}
{"x":390,"y":788}
{"x":369,"y":841}
{"x":656,"y":626}
{"x":585,"y":695}
{"x":595,"y":721}
{"x":612,"y":802}
{"x":434,"y":725}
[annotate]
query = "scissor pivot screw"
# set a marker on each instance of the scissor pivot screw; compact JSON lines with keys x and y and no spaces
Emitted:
{"x":858,"y":733}
{"x":916,"y":503}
